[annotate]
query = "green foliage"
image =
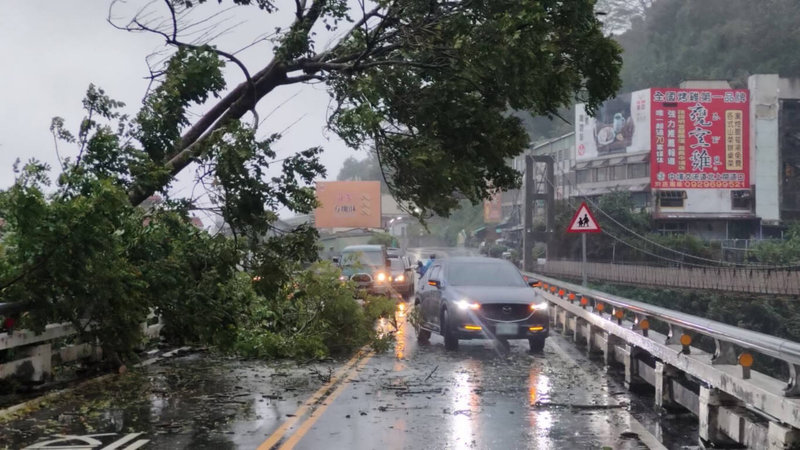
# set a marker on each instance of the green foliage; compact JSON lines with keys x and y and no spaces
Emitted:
{"x":367,"y":169}
{"x":384,"y":239}
{"x":711,"y":39}
{"x":439,"y":121}
{"x":785,"y":252}
{"x":496,"y":251}
{"x":314,"y":315}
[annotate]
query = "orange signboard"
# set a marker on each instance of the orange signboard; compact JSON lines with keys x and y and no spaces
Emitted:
{"x":348,"y":204}
{"x":493,"y":209}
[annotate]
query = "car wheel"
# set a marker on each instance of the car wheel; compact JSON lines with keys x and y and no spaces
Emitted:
{"x":537,"y":344}
{"x":450,"y":340}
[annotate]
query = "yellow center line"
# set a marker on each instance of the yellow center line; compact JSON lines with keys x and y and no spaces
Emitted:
{"x":276,"y":437}
{"x":312,"y":419}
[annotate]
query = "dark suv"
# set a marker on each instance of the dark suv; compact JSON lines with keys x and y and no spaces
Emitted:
{"x":480,"y":298}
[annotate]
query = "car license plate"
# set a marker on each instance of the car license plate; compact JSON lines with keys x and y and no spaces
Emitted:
{"x":505,"y":329}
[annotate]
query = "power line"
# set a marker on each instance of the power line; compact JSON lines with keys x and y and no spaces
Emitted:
{"x":684,"y":254}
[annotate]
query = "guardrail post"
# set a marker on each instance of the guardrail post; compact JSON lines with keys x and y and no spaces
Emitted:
{"x":631,"y":367}
{"x":576,"y":333}
{"x":792,"y":389}
{"x":663,"y":385}
{"x":709,"y":402}
{"x":710,"y":432}
{"x":782,"y":437}
{"x":724,"y":353}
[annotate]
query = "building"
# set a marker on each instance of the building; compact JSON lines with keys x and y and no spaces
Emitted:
{"x":703,"y":158}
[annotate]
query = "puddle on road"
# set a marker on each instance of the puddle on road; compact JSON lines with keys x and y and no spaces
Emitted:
{"x":196,"y":401}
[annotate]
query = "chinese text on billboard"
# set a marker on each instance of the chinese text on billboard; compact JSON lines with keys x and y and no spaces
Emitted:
{"x":348,"y":204}
{"x":699,"y":138}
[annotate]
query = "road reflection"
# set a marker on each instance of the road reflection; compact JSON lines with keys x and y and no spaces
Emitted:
{"x":465,"y":403}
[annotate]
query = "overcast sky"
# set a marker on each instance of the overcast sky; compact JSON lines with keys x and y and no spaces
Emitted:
{"x":53,"y":49}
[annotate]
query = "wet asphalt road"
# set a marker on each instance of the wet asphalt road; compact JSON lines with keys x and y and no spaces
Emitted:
{"x":413,"y":397}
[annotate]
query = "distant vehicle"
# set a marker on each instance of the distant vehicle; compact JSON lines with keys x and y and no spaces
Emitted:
{"x":403,"y":275}
{"x":480,"y":298}
{"x":368,"y":266}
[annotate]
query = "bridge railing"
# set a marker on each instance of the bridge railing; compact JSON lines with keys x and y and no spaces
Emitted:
{"x":731,"y":279}
{"x":732,"y":402}
{"x":725,"y":336}
{"x":30,"y":356}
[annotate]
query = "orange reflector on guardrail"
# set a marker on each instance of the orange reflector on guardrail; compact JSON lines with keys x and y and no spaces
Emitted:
{"x":599,"y":307}
{"x":584,"y":301}
{"x":686,"y":340}
{"x":571,"y":296}
{"x":746,"y":360}
{"x":644,"y":324}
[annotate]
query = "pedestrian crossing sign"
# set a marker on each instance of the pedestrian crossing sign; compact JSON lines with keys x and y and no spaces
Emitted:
{"x":583,"y":221}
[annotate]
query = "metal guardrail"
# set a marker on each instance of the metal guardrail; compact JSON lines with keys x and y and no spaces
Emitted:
{"x":724,"y":335}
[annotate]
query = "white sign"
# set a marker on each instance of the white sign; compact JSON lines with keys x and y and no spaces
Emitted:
{"x":621,"y":126}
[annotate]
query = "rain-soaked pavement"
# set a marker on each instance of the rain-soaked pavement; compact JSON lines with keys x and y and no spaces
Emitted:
{"x":411,"y":397}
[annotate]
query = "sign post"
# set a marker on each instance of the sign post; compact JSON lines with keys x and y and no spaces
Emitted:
{"x":583,"y":222}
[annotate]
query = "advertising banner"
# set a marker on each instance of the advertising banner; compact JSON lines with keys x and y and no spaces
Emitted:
{"x":700,"y":139}
{"x":348,"y":204}
{"x":621,"y":125}
{"x":493,"y":209}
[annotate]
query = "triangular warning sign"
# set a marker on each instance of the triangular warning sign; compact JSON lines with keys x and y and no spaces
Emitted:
{"x":583,"y":221}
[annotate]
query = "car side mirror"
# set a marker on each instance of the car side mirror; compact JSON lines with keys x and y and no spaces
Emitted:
{"x":434,"y":283}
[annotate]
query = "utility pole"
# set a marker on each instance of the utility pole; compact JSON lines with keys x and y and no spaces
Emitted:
{"x":531,"y":195}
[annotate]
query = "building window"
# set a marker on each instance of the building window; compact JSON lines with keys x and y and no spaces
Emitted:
{"x":618,"y":172}
{"x":640,"y":199}
{"x":638,"y":170}
{"x":671,"y":199}
{"x":602,"y":174}
{"x":584,"y":176}
{"x":665,"y":228}
{"x":741,"y":199}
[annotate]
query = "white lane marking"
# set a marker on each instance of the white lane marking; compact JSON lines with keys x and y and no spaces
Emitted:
{"x":645,"y":436}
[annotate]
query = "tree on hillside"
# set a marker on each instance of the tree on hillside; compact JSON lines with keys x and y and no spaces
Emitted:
{"x":618,"y":15}
{"x":367,"y":169}
{"x":713,"y":39}
{"x":426,"y":83}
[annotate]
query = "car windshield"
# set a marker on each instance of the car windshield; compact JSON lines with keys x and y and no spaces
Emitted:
{"x":361,"y":258}
{"x":483,"y":273}
{"x":397,"y":264}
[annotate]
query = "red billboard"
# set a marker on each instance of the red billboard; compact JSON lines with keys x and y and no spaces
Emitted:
{"x":699,"y":138}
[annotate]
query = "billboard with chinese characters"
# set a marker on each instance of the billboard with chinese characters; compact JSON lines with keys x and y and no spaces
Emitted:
{"x":621,"y":125}
{"x":493,"y":209}
{"x":700,"y":139}
{"x":348,"y":204}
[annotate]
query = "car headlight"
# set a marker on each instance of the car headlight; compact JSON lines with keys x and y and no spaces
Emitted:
{"x":380,"y":277}
{"x":342,"y":277}
{"x":465,"y":305}
{"x":539,"y":306}
{"x":400,"y":278}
